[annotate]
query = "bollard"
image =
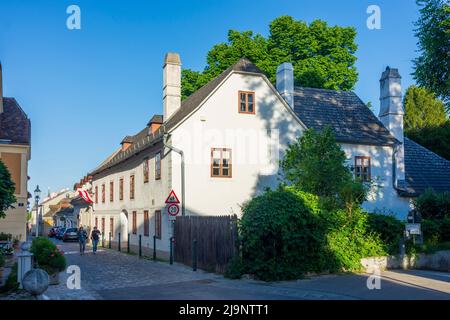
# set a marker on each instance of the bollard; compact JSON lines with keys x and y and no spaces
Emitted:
{"x":194,"y":255}
{"x":110,"y":237}
{"x":154,"y":247}
{"x":24,"y":263}
{"x":171,"y":250}
{"x":128,"y":243}
{"x":140,"y":246}
{"x":119,"y":243}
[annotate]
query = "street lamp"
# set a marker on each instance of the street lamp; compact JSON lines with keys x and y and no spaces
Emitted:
{"x":37,"y":196}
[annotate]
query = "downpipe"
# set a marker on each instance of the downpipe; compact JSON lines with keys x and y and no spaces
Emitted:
{"x":181,"y":153}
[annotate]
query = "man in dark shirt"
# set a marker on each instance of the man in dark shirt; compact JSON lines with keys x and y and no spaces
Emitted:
{"x":95,"y":237}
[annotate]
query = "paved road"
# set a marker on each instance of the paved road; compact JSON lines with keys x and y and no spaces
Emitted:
{"x":113,"y":275}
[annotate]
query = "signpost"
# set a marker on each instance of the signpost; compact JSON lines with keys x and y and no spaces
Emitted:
{"x":173,"y":208}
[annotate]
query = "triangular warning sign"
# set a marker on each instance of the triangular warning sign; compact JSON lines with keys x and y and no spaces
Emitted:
{"x":172,"y":198}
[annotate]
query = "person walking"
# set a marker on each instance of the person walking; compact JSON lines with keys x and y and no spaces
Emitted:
{"x":82,"y":239}
{"x":95,"y":237}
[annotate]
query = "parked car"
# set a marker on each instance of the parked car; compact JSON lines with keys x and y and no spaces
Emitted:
{"x":70,"y":234}
{"x":60,"y":233}
{"x":53,"y":232}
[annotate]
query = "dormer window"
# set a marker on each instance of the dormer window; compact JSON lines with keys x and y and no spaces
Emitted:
{"x":246,"y":102}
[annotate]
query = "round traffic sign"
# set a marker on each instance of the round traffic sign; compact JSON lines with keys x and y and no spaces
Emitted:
{"x":173,"y":209}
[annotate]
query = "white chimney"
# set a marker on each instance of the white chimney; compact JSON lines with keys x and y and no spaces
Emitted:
{"x":1,"y":89}
{"x":391,"y":113}
{"x":171,"y":84}
{"x":285,"y":82}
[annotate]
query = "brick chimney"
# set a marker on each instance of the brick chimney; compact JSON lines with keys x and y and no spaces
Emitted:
{"x":171,"y":84}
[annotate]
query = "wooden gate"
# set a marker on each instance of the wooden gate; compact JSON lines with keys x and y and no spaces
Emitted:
{"x":216,"y":241}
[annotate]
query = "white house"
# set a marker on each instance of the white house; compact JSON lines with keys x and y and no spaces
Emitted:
{"x":229,"y":136}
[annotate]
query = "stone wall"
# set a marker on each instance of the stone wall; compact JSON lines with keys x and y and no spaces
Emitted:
{"x":439,"y":261}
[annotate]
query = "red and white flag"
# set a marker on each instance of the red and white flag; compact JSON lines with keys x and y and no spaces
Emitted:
{"x":85,"y":195}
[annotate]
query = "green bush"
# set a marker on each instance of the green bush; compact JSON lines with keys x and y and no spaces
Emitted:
{"x":431,"y":205}
{"x":5,"y":236}
{"x":47,"y":255}
{"x":444,"y":229}
{"x":285,"y":234}
{"x":431,"y":230}
{"x":281,"y":236}
{"x":349,"y":239}
{"x":389,"y":229}
{"x":2,"y":261}
{"x":235,"y":269}
{"x":11,"y":283}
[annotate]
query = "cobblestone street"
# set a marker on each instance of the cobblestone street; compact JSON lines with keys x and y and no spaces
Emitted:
{"x":113,"y":275}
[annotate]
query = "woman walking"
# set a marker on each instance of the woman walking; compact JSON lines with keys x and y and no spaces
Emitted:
{"x":82,"y":240}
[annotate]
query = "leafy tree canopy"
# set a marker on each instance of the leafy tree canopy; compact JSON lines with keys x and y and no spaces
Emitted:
{"x":432,"y":67}
{"x":7,"y":189}
{"x":322,"y":55}
{"x":315,"y":163}
{"x":423,"y":109}
{"x":435,"y":138}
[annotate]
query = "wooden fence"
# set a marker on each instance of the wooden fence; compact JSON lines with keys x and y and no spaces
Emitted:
{"x":216,"y":241}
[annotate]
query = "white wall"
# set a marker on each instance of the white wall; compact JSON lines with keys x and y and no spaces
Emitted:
{"x":148,"y":196}
{"x":218,"y":124}
{"x":382,"y":197}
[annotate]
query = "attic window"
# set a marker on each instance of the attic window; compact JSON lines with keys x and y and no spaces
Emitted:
{"x":246,"y":102}
{"x":362,"y":168}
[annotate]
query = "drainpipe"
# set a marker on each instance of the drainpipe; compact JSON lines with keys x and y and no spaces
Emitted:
{"x":180,"y":152}
{"x":394,"y":168}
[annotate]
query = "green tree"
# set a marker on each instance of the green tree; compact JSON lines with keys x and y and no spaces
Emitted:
{"x":436,"y":138}
{"x":422,"y":109}
{"x":7,"y":189}
{"x":432,"y":67}
{"x":315,"y":163}
{"x":322,"y":56}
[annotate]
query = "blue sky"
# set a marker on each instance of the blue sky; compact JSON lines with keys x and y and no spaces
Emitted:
{"x":84,"y":90}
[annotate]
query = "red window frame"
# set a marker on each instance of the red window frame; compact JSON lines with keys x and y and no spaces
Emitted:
{"x":363,"y":168}
{"x":103,"y":225}
{"x":146,"y":170}
{"x":103,"y":193}
{"x":246,"y":103}
{"x":111,"y":226}
{"x":111,"y":191}
{"x":220,"y":166}
{"x":134,"y":225}
{"x":121,"y":189}
{"x":96,"y":194}
{"x":158,"y":224}
{"x":146,"y":224}
{"x":132,"y":187}
{"x":158,"y":165}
